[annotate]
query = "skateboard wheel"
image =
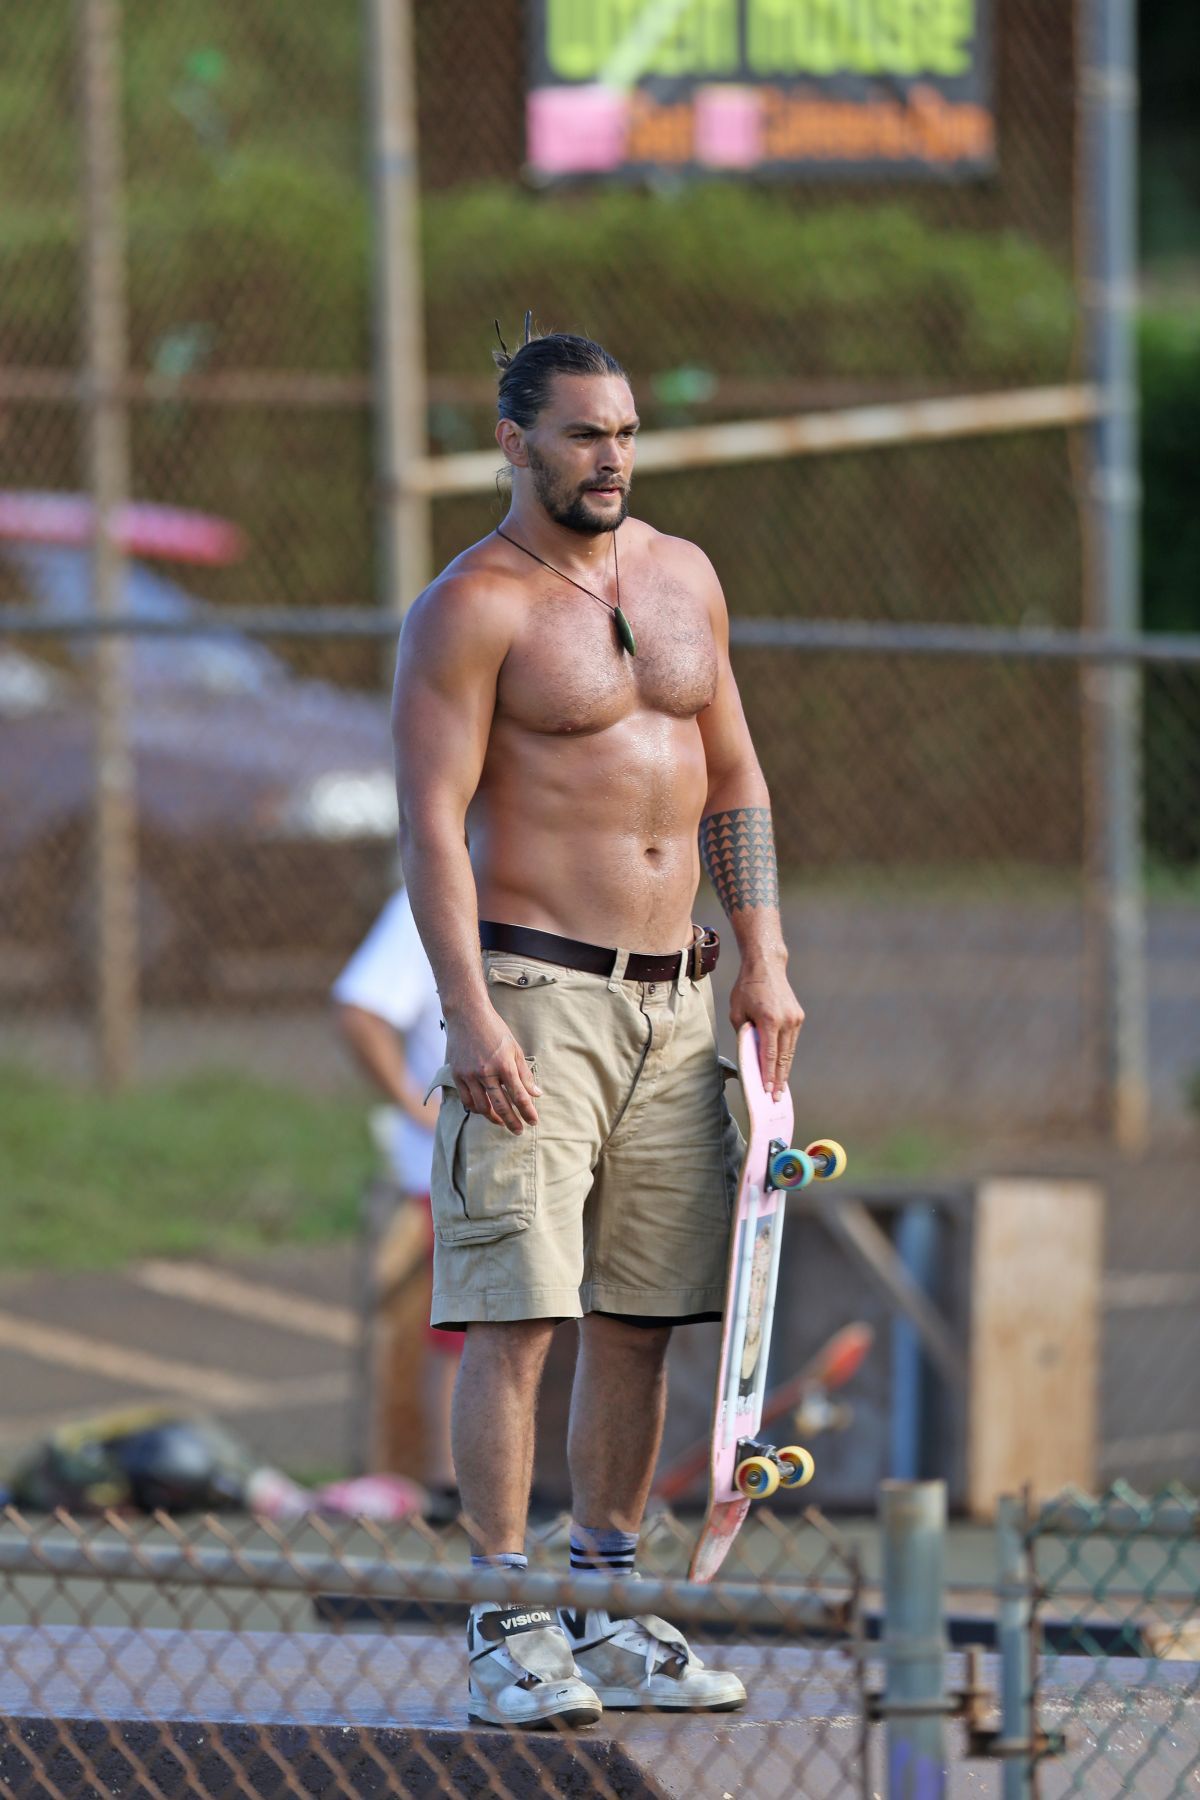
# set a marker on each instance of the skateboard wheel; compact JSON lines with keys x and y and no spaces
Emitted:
{"x":756,"y":1477}
{"x":790,"y":1169}
{"x":796,"y":1466}
{"x":829,"y":1159}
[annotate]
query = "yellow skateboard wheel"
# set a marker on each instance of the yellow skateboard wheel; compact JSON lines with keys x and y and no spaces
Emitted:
{"x":797,"y":1467}
{"x":828,"y":1158}
{"x":756,"y":1477}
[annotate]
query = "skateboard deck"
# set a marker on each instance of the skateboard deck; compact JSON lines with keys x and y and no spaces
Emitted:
{"x":740,"y":1468}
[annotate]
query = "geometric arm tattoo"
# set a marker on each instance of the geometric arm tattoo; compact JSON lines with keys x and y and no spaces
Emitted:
{"x":738,"y":851}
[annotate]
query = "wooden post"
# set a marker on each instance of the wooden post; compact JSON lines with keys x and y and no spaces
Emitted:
{"x":1033,"y":1405}
{"x":107,"y":440}
{"x":406,"y":550}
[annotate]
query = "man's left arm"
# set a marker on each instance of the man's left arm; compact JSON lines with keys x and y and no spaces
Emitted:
{"x":737,"y":847}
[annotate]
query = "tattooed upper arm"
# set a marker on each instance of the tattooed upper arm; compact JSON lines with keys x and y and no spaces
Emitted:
{"x":738,"y":850}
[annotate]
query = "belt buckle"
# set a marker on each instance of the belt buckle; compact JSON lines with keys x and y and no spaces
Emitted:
{"x":705,"y":938}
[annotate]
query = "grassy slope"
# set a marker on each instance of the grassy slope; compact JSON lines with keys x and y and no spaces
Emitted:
{"x":210,"y":1164}
{"x":214,"y":1164}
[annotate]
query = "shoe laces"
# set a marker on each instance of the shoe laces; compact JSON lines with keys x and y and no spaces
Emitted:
{"x":663,"y":1646}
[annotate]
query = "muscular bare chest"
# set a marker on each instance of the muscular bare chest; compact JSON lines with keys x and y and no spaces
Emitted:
{"x":569,"y":674}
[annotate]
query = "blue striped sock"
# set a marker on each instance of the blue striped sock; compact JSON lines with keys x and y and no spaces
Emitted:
{"x":505,"y":1559}
{"x":596,"y":1548}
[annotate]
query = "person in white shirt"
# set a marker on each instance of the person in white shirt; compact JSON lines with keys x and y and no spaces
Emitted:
{"x":390,"y":1017}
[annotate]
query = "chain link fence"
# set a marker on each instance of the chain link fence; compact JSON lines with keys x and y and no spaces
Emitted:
{"x":227,"y":1656}
{"x":197,"y":1235}
{"x":1110,"y":1695}
{"x":930,"y":811}
{"x":936,"y":907}
{"x":936,"y":815}
{"x":260,"y":784}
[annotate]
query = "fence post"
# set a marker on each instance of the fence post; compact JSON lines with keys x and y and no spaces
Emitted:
{"x":1115,"y":912}
{"x":1012,"y":1631}
{"x":405,"y":536}
{"x":913,"y":1521}
{"x":106,"y":429}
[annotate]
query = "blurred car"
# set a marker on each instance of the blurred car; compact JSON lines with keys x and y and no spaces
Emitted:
{"x":265,"y":800}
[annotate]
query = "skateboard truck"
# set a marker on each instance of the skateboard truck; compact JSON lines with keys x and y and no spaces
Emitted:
{"x":788,"y":1168}
{"x":761,"y":1468}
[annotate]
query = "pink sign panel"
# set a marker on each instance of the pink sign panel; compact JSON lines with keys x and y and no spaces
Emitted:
{"x":728,"y":126}
{"x":576,"y":130}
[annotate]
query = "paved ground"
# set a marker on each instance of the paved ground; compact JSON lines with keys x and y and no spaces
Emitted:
{"x":271,"y":1344}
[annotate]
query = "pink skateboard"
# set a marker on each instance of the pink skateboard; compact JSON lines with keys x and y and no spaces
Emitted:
{"x":741,"y":1468}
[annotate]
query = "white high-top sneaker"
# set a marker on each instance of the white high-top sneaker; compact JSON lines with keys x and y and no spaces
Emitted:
{"x":643,"y":1661}
{"x":520,"y":1670}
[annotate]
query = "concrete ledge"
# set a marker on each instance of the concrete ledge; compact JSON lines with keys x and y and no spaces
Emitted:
{"x":93,"y":1711}
{"x":138,"y":1759}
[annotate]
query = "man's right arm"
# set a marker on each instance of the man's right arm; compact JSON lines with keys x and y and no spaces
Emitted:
{"x":451,"y":649}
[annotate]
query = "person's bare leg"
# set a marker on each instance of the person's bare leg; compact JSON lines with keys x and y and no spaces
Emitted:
{"x":616,"y":1423}
{"x":617,"y":1410}
{"x":492,"y":1428}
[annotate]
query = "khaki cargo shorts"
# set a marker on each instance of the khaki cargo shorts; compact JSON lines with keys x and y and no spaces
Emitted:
{"x":619,"y":1199}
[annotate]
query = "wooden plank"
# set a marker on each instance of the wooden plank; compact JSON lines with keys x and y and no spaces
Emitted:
{"x":401,"y":1284}
{"x":825,"y":433}
{"x":1037,"y":1266}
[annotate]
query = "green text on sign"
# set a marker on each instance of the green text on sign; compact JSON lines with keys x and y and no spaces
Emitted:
{"x":783,"y":38}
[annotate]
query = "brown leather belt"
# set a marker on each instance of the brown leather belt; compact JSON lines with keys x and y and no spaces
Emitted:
{"x":545,"y":946}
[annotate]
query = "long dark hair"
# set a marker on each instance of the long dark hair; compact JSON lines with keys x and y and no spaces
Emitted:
{"x":526,"y":373}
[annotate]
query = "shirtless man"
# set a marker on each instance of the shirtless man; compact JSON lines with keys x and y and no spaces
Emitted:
{"x":570,"y":743}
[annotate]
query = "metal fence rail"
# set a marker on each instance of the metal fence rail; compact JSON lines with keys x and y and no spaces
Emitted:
{"x":867,"y":635}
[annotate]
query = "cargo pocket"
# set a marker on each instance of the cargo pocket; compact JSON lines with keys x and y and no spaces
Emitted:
{"x":484,"y":1181}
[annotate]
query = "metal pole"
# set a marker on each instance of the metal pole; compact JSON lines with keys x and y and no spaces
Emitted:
{"x":915,"y":1249}
{"x":799,"y":1611}
{"x":1112,"y":697}
{"x":405,"y":527}
{"x":1012,"y":1632}
{"x":106,"y":431}
{"x":913,"y":1521}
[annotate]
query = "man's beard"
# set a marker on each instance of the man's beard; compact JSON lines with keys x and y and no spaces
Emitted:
{"x":569,"y":507}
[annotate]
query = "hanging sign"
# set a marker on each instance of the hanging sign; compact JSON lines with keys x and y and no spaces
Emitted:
{"x":789,"y":87}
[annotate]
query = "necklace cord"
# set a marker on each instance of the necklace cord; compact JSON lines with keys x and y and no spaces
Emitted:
{"x":575,"y":584}
{"x":624,"y":629}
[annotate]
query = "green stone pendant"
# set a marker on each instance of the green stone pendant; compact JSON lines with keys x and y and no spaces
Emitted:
{"x":625,"y":631}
